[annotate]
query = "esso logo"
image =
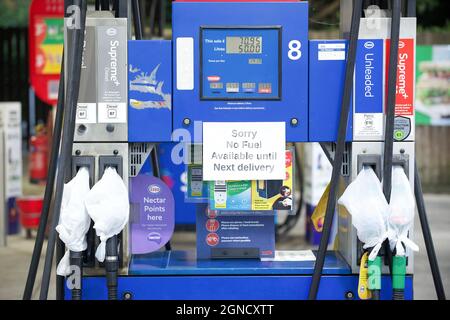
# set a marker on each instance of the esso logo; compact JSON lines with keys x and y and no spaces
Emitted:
{"x":153,"y":188}
{"x":369,"y":45}
{"x":155,"y":237}
{"x":212,"y":239}
{"x":212,"y":225}
{"x":401,"y":44}
{"x":111,"y":32}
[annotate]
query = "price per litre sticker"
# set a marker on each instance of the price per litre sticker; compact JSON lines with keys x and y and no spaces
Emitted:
{"x":244,"y":150}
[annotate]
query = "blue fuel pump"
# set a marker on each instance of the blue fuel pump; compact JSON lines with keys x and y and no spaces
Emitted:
{"x":241,"y":62}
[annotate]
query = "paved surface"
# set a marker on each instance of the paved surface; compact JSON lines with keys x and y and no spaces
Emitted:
{"x":438,"y":211}
{"x":15,"y":258}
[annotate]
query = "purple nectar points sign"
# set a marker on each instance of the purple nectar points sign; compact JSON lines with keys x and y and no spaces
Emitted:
{"x":152,"y":214}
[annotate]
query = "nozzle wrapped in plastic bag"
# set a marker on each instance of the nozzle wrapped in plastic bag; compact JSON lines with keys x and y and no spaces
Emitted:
{"x":365,"y":201}
{"x":74,"y":220}
{"x":107,"y":204}
{"x":401,"y":212}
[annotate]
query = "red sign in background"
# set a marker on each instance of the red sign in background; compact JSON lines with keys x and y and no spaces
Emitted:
{"x":404,"y":98}
{"x":44,"y":74}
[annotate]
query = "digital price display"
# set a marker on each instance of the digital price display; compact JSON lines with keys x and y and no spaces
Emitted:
{"x":240,"y":63}
{"x":244,"y":45}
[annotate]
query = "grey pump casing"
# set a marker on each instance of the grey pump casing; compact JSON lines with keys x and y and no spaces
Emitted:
{"x":103,"y":95}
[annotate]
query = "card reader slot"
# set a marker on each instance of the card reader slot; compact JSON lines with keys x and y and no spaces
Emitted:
{"x":235,"y":253}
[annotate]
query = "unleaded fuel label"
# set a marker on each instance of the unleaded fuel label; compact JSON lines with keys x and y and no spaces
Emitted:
{"x":368,"y":102}
{"x":369,"y":77}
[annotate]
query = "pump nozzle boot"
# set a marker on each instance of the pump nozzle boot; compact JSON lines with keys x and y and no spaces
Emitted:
{"x":398,"y":277}
{"x":374,"y":271}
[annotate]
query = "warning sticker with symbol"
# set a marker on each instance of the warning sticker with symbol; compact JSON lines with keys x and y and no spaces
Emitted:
{"x":219,"y":231}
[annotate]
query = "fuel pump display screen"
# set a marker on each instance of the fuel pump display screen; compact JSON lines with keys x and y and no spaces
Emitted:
{"x":240,"y":63}
{"x":244,"y":44}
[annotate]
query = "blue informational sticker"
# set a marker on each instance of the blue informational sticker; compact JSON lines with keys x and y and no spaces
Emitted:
{"x":152,"y":214}
{"x":326,"y":86}
{"x":369,"y":77}
{"x":149,"y":90}
{"x":219,"y":233}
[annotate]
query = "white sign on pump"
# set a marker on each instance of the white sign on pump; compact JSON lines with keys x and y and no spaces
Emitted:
{"x":244,"y":151}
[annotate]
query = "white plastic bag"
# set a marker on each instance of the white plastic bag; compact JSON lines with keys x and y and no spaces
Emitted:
{"x":365,"y":201}
{"x":401,"y":212}
{"x":74,"y":221}
{"x":107,"y":204}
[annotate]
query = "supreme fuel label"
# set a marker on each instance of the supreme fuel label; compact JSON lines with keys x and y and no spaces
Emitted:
{"x":404,"y":101}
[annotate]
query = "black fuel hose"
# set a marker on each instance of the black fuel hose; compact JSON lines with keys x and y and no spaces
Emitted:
{"x":76,"y":259}
{"x":391,"y":95}
{"x":112,"y":267}
{"x":73,"y":84}
{"x":390,"y":115}
{"x":40,"y":236}
{"x":104,"y":5}
{"x":340,"y":146}
{"x":138,"y":32}
{"x":432,"y":259}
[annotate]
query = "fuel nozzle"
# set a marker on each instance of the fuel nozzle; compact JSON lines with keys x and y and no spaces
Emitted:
{"x":108,"y":205}
{"x":401,"y":218}
{"x":73,"y":226}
